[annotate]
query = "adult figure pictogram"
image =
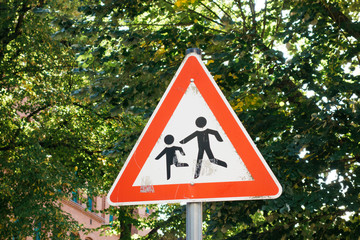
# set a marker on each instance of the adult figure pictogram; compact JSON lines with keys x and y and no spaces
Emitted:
{"x":171,"y":157}
{"x":204,"y":144}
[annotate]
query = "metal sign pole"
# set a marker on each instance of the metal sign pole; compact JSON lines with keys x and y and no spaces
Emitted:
{"x":194,"y":221}
{"x":194,"y":209}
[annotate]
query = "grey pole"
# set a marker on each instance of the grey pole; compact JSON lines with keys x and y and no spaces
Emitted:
{"x":194,"y":221}
{"x":194,"y":209}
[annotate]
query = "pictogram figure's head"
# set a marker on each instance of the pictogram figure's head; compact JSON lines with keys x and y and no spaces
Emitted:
{"x":200,"y":122}
{"x":169,"y":139}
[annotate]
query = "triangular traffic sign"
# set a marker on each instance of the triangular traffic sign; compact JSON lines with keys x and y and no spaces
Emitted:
{"x":193,"y":149}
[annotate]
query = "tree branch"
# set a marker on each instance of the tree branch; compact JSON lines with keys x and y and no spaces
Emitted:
{"x":278,"y":22}
{"x":62,"y":144}
{"x":28,"y":117}
{"x":264,"y":22}
{"x":341,"y":20}
{"x":222,"y":9}
{"x":5,"y":40}
{"x":19,"y":22}
{"x":197,"y":13}
{"x":253,"y":14}
{"x":242,"y":14}
{"x":214,"y":13}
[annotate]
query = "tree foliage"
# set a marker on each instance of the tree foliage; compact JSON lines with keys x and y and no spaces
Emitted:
{"x":52,"y":143}
{"x":88,"y":74}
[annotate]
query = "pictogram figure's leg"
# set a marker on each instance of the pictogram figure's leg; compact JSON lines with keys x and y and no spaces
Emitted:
{"x":213,"y":159}
{"x":168,"y":171}
{"x":199,"y":162}
{"x":218,"y":162}
{"x":178,"y":164}
{"x":198,"y":168}
{"x":181,"y":165}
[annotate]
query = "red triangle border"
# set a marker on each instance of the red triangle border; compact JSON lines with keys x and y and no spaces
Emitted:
{"x":264,"y":186}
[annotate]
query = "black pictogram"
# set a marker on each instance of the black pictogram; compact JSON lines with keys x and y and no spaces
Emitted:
{"x":171,"y":157}
{"x":204,"y":144}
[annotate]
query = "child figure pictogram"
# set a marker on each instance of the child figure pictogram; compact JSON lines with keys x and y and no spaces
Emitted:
{"x":204,"y":144}
{"x":171,"y":157}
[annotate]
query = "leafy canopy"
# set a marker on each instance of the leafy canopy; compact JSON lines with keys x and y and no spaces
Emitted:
{"x":90,"y":73}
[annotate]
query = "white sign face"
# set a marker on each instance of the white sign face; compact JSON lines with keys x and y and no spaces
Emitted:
{"x":193,"y":148}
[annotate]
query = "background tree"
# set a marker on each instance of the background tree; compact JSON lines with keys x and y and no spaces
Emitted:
{"x":51,"y":143}
{"x":290,"y":69}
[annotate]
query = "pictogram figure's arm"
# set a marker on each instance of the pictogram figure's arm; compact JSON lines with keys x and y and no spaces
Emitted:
{"x":161,"y":154}
{"x":216,"y":134}
{"x":188,"y":138}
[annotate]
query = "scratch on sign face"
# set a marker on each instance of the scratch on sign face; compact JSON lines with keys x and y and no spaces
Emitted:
{"x":147,"y":189}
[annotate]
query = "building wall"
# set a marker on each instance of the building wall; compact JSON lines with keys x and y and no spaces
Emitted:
{"x":142,"y":212}
{"x":88,"y":218}
{"x":91,"y":219}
